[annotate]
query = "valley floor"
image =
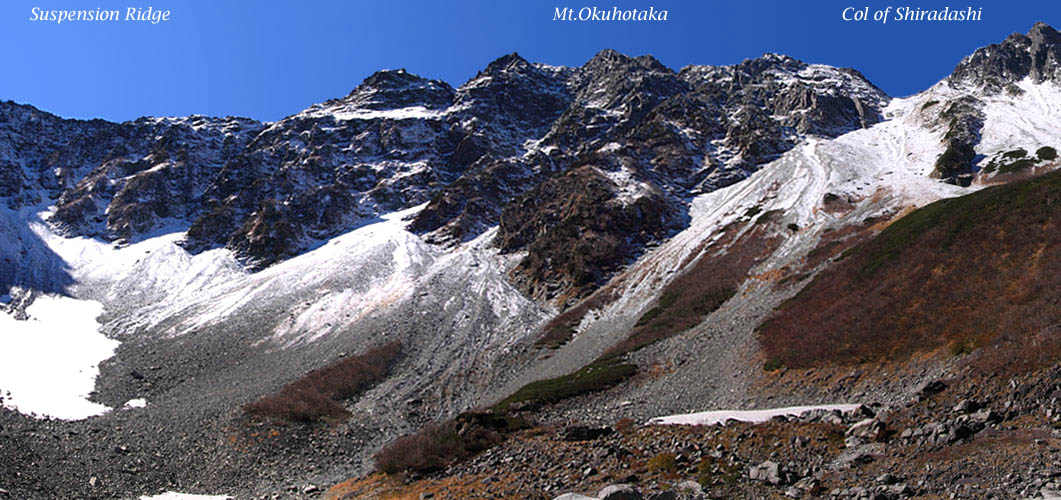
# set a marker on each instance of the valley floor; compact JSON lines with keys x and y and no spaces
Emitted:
{"x":964,"y":436}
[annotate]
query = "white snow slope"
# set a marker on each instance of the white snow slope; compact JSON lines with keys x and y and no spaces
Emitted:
{"x":49,"y":362}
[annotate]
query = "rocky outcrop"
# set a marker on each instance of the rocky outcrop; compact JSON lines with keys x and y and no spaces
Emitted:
{"x":997,"y":67}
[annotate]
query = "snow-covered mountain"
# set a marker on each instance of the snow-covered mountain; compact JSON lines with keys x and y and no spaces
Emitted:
{"x":230,"y":257}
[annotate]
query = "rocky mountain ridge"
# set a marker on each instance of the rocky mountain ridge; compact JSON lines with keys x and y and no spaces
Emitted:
{"x":475,"y":155}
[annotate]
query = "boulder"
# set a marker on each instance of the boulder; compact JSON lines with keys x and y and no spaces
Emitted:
{"x":769,"y":472}
{"x":663,"y":495}
{"x":689,"y":488}
{"x":870,"y":430}
{"x":930,"y":388}
{"x":583,"y":433}
{"x":967,"y":406}
{"x":619,"y":492}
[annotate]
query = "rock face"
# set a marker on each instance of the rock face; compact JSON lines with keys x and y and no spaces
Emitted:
{"x":581,"y":168}
{"x":996,"y":67}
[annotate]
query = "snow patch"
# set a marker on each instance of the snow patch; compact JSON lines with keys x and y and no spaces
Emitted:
{"x":136,"y":403}
{"x":50,"y":361}
{"x":409,"y":113}
{"x":750,"y":416}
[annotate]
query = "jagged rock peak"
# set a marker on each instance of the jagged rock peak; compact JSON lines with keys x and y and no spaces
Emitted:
{"x":398,"y":79}
{"x":387,"y":90}
{"x":610,"y":60}
{"x":399,"y":88}
{"x":996,"y":67}
{"x":508,"y":62}
{"x":771,"y":60}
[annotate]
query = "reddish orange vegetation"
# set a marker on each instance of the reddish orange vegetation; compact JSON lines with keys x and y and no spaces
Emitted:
{"x":316,"y":396}
{"x":379,"y":486}
{"x":559,"y":330}
{"x":982,"y":269}
{"x":701,"y":289}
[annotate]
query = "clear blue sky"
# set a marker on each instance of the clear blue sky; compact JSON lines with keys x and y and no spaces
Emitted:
{"x":267,"y":59}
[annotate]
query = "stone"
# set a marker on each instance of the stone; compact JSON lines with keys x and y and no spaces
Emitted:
{"x":663,"y":495}
{"x":870,"y":429}
{"x":689,"y":488}
{"x":769,"y":472}
{"x":986,"y":416}
{"x":583,"y":433}
{"x":574,"y":496}
{"x":967,"y":406}
{"x":809,"y":485}
{"x":619,"y":492}
{"x":930,"y":388}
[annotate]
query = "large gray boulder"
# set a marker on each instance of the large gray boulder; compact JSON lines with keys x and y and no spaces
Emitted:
{"x":769,"y":472}
{"x":619,"y":492}
{"x":574,"y":496}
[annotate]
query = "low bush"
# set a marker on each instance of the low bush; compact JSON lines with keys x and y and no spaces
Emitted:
{"x":597,"y":376}
{"x":438,"y":445}
{"x":662,"y":463}
{"x":317,"y":395}
{"x":772,"y":365}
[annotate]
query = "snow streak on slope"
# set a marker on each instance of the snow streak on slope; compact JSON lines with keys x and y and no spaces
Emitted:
{"x":156,"y":286}
{"x":49,"y":362}
{"x":124,"y":277}
{"x":750,"y":416}
{"x":1028,"y":120}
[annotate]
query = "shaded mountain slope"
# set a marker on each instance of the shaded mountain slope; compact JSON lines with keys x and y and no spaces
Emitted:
{"x":965,"y":272}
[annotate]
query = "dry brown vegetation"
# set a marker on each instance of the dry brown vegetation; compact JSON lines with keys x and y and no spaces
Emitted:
{"x":979,"y":270}
{"x":318,"y":395}
{"x":437,"y":445}
{"x":700,"y":290}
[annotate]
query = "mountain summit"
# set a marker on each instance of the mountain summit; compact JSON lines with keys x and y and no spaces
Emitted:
{"x":997,"y":67}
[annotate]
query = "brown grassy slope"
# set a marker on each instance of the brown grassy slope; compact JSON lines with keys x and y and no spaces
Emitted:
{"x":700,"y":289}
{"x":317,"y":395}
{"x":966,"y":272}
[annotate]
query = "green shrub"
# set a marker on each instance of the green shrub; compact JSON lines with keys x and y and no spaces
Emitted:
{"x":597,"y":376}
{"x":1018,"y":165}
{"x":963,"y":347}
{"x":1046,"y":153}
{"x":664,"y":462}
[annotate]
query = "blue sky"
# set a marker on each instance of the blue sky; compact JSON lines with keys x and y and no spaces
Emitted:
{"x":267,"y":60}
